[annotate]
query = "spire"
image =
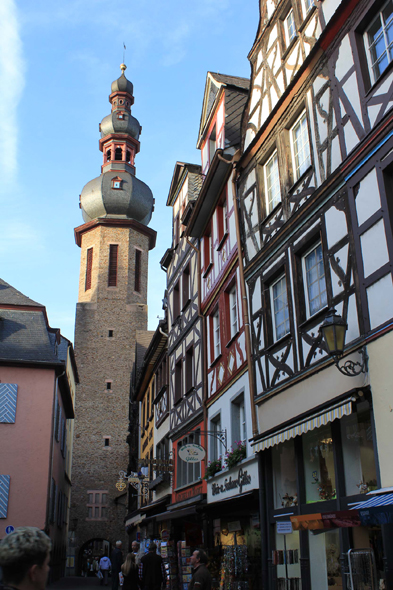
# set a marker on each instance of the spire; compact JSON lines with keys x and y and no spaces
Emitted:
{"x":117,"y":191}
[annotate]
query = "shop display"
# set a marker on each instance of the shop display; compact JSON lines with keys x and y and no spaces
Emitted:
{"x":184,"y":563}
{"x":289,"y":556}
{"x":288,"y":583}
{"x":234,"y":568}
{"x":168,"y":555}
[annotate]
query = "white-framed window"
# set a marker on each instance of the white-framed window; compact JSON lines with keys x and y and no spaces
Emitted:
{"x":187,"y":473}
{"x":379,"y":41}
{"x":307,"y":6}
{"x":216,"y":334}
{"x":300,"y":144}
{"x":272,"y":183}
{"x":216,"y":448}
{"x":314,"y":280}
{"x":280,"y":310}
{"x":238,"y":420}
{"x":233,"y":311}
{"x":289,"y":28}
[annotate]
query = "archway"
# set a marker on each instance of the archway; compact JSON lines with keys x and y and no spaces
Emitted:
{"x":93,"y":548}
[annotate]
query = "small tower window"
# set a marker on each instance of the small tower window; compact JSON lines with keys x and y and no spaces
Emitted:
{"x":89,"y":265}
{"x":108,"y":155}
{"x":116,"y":182}
{"x":112,"y":270}
{"x":118,"y":154}
{"x":110,"y":333}
{"x":128,"y":156}
{"x":120,"y":115}
{"x":109,"y":385}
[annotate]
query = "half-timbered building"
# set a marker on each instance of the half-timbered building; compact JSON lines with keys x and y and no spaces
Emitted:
{"x":232,"y":472}
{"x":315,"y":192}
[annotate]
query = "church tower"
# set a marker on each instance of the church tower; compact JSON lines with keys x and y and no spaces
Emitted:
{"x":112,"y":305}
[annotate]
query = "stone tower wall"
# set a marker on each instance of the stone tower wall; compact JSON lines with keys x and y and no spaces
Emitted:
{"x":100,"y":412}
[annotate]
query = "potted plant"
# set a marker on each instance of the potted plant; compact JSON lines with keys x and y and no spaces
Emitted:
{"x":212,"y":468}
{"x":237,"y":453}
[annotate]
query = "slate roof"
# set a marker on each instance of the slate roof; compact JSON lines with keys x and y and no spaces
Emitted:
{"x":232,"y":80}
{"x":24,"y":336}
{"x":11,"y":296}
{"x":143,"y":339}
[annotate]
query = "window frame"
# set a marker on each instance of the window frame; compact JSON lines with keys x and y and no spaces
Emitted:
{"x":306,"y":11}
{"x":89,"y":268}
{"x":216,"y":446}
{"x":309,"y":250}
{"x":282,"y":276}
{"x":93,"y":505}
{"x":287,"y":38}
{"x":187,"y":473}
{"x":189,"y":369}
{"x":113,"y":265}
{"x":233,"y":304}
{"x":271,"y":204}
{"x":373,"y":78}
{"x":216,"y":334}
{"x":239,"y":421}
{"x":299,"y":171}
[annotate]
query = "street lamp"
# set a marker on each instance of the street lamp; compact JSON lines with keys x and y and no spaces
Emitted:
{"x":333,"y":332}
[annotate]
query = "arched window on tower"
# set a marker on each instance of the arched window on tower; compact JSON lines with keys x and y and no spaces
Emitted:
{"x":108,"y":155}
{"x":128,"y":155}
{"x":118,"y":154}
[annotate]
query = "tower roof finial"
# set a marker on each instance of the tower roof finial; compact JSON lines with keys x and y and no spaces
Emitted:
{"x":123,"y":68}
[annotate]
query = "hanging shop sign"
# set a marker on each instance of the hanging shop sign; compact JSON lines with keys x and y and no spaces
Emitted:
{"x":233,"y":483}
{"x":192,"y":453}
{"x":284,"y":527}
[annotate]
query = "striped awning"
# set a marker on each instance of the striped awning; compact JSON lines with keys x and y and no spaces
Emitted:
{"x":344,"y":408}
{"x":382,"y":500}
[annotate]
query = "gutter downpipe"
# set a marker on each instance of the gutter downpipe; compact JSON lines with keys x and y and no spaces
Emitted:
{"x":251,"y":376}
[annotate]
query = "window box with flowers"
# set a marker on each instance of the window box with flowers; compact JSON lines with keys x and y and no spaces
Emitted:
{"x":212,"y":468}
{"x":237,"y":453}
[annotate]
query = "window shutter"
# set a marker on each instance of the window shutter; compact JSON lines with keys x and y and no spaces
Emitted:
{"x":89,"y":266}
{"x":8,"y":395}
{"x":4,"y":493}
{"x":112,"y":273}
{"x":138,"y":256}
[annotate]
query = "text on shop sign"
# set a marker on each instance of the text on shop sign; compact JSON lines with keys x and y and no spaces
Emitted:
{"x":243,"y":479}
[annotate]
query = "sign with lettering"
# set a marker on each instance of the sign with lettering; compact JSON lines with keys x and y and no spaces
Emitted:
{"x":284,"y":527}
{"x":192,"y":453}
{"x":232,"y":483}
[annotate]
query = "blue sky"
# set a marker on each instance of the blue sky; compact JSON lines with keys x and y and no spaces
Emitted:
{"x":57,"y":61}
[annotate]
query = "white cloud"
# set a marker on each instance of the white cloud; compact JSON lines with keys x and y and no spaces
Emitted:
{"x":18,"y":236}
{"x":12,"y":81}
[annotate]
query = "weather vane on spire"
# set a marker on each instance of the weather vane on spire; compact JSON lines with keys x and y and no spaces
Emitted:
{"x":123,"y":66}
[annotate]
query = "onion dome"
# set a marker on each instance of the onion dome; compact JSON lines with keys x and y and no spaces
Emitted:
{"x":117,"y":192}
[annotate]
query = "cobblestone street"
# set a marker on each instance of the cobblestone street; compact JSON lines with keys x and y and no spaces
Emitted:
{"x":76,"y":583}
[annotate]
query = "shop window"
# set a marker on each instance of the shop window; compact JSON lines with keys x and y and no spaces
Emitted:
{"x":187,"y":473}
{"x":284,"y":475}
{"x":358,"y":451}
{"x":286,"y":558}
{"x":325,"y":566}
{"x":320,"y":478}
{"x":379,"y":41}
{"x":280,"y":309}
{"x":314,"y":280}
{"x":300,"y":145}
{"x":238,"y":420}
{"x":272,"y":183}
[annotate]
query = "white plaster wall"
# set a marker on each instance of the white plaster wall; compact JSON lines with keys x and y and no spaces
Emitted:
{"x":374,"y":248}
{"x":380,"y":301}
{"x":368,"y":200}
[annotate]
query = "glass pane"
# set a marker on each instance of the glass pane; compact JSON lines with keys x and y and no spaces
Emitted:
{"x":90,"y":498}
{"x":325,"y":563}
{"x":319,"y":465}
{"x":291,"y":559}
{"x":89,"y":512}
{"x":96,"y":512}
{"x":104,"y":498}
{"x":358,"y":451}
{"x":272,"y":183}
{"x":284,"y":474}
{"x":97,"y":499}
{"x":104,"y":512}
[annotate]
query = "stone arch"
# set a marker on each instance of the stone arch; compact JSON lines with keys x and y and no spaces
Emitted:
{"x":95,"y":547}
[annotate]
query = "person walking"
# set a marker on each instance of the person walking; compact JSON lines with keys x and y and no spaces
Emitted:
{"x":135,"y":546}
{"x":116,"y":560}
{"x":201,"y":577}
{"x":152,"y":575}
{"x":24,"y":559}
{"x":105,"y":564}
{"x":129,"y":569}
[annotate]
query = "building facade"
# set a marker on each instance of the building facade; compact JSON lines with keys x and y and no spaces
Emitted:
{"x":37,"y":394}
{"x":115,"y":241}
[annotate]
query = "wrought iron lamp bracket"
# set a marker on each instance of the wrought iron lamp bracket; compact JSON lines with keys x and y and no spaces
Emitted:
{"x":351,"y":368}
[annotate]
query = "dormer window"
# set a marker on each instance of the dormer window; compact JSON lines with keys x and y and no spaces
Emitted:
{"x":120,"y":115}
{"x":116,"y":182}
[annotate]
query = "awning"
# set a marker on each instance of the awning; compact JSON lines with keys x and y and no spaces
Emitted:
{"x":377,"y":510}
{"x":135,"y":520}
{"x":325,"y":520}
{"x":170,"y":515}
{"x":344,"y":408}
{"x":385,"y":500}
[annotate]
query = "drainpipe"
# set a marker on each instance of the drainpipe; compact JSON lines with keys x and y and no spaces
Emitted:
{"x":52,"y":451}
{"x":251,"y":376}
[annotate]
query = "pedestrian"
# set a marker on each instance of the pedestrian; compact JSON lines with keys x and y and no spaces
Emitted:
{"x":201,"y":577}
{"x":152,"y":574}
{"x":129,"y":569}
{"x":24,"y":559}
{"x":105,"y":564}
{"x":95,"y":565}
{"x":117,"y":560}
{"x":136,"y":551}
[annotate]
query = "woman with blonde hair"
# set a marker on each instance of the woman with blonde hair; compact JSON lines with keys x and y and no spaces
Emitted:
{"x":129,"y":569}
